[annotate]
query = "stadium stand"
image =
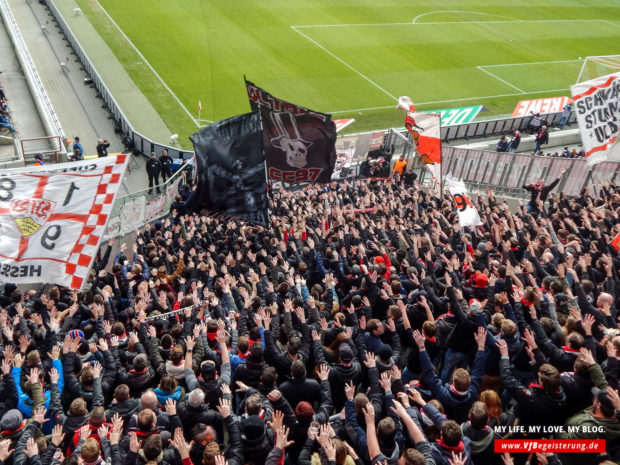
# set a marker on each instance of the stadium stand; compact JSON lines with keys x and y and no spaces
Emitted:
{"x":394,"y":334}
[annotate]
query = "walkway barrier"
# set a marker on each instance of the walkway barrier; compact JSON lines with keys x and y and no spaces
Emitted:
{"x":506,"y":173}
{"x":39,"y":95}
{"x":132,"y":211}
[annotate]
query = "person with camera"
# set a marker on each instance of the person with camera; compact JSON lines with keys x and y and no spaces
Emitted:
{"x":102,"y":148}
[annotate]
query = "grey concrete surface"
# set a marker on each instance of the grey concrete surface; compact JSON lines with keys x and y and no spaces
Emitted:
{"x":78,"y":108}
{"x":22,"y":109}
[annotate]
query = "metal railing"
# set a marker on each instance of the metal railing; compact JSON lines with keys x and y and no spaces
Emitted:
{"x":506,"y":173}
{"x":133,"y":210}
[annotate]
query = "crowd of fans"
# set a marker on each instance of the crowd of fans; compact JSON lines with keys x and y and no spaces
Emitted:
{"x":365,"y":326}
{"x":5,"y":119}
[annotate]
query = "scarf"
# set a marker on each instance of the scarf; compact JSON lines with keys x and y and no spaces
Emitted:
{"x":8,"y":431}
{"x":457,"y":449}
{"x":457,"y":392}
{"x":570,"y":350}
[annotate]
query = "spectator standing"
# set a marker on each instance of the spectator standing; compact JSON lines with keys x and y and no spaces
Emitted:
{"x":502,"y":145}
{"x":566,"y":111}
{"x":540,"y":192}
{"x":535,"y":123}
{"x":188,"y":169}
{"x":399,"y":166}
{"x":38,"y":160}
{"x":102,"y":148}
{"x":513,"y":145}
{"x":77,"y":145}
{"x":409,"y":177}
{"x":541,"y":138}
{"x":166,"y":166}
{"x":153,"y":169}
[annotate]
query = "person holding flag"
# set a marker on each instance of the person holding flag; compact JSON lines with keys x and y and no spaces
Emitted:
{"x":426,"y":131}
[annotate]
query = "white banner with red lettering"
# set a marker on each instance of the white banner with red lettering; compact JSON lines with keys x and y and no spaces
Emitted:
{"x":598,"y":113}
{"x":52,"y":219}
{"x":468,"y":215}
{"x":540,"y":105}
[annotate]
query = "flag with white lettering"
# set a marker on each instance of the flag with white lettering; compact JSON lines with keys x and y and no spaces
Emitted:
{"x":52,"y":219}
{"x":299,"y":143}
{"x":597,"y":103}
{"x":231,"y":170}
{"x":426,"y":131}
{"x":468,"y":215}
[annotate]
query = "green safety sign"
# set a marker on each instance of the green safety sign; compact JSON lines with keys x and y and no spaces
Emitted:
{"x":452,"y":116}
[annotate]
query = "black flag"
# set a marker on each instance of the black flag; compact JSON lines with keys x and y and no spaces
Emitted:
{"x":299,"y":143}
{"x":231,"y":169}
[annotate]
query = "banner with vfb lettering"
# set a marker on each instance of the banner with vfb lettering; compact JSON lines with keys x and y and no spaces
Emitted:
{"x":468,"y":215}
{"x":52,"y":219}
{"x":597,"y":103}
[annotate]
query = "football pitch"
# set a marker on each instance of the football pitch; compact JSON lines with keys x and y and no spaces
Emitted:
{"x":351,"y":58}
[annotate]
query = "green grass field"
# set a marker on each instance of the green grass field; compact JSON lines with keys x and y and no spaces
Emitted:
{"x":353,"y":58}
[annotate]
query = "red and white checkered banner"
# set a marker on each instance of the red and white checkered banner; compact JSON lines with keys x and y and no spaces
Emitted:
{"x":52,"y":219}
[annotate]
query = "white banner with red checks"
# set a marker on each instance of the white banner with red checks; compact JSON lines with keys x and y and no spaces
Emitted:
{"x":52,"y":219}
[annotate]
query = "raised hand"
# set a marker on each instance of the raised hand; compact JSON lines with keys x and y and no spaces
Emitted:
{"x":57,"y":435}
{"x":179,"y":444}
{"x":39,"y":415}
{"x":224,"y":407}
{"x":349,"y":390}
{"x":31,"y":448}
{"x":97,"y":369}
{"x":323,"y":372}
{"x":5,"y":453}
{"x":171,"y":406}
{"x":134,"y":443}
{"x":282,"y":441}
{"x":371,"y":360}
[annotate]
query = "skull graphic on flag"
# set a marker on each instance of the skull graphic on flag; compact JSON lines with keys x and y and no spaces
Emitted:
{"x":295,"y":148}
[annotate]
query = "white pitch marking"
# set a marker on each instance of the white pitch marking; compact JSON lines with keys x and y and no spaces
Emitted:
{"x":455,"y":11}
{"x":345,"y":63}
{"x":146,"y":62}
{"x":453,"y":100}
{"x":499,"y":79}
{"x":531,"y":63}
{"x":457,"y":22}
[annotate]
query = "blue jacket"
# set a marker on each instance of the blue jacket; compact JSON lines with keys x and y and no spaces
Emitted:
{"x":457,"y":405}
{"x":162,"y":396}
{"x":24,"y":402}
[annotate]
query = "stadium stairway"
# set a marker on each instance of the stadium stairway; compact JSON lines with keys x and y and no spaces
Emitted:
{"x":79,"y":110}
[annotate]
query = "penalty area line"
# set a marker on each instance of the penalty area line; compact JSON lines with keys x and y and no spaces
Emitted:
{"x":345,"y":64}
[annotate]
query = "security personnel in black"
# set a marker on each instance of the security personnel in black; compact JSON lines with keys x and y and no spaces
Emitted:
{"x":166,"y":166}
{"x":153,"y":168}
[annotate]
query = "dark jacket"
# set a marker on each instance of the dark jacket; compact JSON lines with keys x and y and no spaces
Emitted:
{"x":457,"y":405}
{"x":297,"y":390}
{"x":339,"y":375}
{"x":153,"y":167}
{"x":481,"y":444}
{"x":535,"y":406}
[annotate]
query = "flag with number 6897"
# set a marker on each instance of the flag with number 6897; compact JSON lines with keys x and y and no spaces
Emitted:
{"x":52,"y":219}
